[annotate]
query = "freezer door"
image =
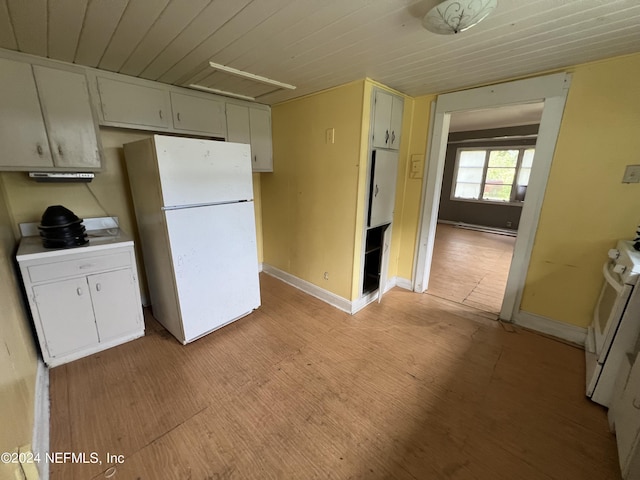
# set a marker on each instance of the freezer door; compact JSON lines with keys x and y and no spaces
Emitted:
{"x":215,"y":264}
{"x":200,"y":172}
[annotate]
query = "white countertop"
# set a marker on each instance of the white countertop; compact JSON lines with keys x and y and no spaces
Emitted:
{"x":31,"y":248}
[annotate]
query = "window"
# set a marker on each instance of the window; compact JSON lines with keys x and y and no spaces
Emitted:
{"x":492,"y":174}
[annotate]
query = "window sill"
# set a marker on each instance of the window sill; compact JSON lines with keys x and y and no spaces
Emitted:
{"x":488,"y":202}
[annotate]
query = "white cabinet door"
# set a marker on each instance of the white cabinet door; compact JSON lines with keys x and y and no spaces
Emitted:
{"x":384,"y":261}
{"x":253,"y":126}
{"x":383,"y":187}
{"x":387,"y":120}
{"x":383,"y":105}
{"x":395,"y":126}
{"x":115,"y":303}
{"x":130,"y":104}
{"x":66,"y":316}
{"x":628,"y":419}
{"x":22,"y":132}
{"x":64,"y":98}
{"x":238,"y":127}
{"x":261,"y":145}
{"x":198,"y":114}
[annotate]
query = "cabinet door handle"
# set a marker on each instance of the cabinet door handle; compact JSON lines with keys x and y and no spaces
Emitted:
{"x":386,"y":137}
{"x":79,"y":290}
{"x":98,"y":287}
{"x":393,"y":137}
{"x":160,"y":113}
{"x":39,"y":149}
{"x":178,"y":116}
{"x":60,"y":149}
{"x":636,"y":403}
{"x":255,"y":158}
{"x":375,"y":194}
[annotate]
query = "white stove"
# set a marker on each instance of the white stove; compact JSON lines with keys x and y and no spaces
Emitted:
{"x":616,"y":322}
{"x":626,"y":261}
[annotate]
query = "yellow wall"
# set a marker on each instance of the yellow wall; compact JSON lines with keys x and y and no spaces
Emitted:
{"x":310,"y":202}
{"x":18,"y":357}
{"x":409,"y":190}
{"x":586,"y":207}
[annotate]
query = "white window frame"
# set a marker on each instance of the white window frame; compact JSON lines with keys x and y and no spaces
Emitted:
{"x":512,"y":201}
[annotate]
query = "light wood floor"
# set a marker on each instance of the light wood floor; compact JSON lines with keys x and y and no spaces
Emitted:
{"x":470,"y":267}
{"x":415,"y":388}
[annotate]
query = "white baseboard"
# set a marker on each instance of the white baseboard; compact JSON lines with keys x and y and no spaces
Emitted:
{"x":403,"y":283}
{"x":564,"y":331}
{"x":308,"y":287}
{"x":363,"y":301}
{"x":329,"y":297}
{"x":40,"y":440}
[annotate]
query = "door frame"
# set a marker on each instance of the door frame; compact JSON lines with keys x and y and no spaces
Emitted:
{"x":550,"y":89}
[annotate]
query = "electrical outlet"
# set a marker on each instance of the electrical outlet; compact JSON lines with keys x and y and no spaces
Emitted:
{"x":631,"y":174}
{"x":326,"y":275}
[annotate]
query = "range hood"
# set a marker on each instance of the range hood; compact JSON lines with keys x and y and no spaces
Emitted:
{"x":56,"y":177}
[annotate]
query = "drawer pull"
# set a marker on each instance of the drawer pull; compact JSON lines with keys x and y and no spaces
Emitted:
{"x":636,"y":403}
{"x":98,"y":287}
{"x":79,"y":290}
{"x":39,"y":149}
{"x":86,"y":265}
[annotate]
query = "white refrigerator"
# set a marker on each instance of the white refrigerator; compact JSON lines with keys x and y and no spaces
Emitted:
{"x":194,"y":207}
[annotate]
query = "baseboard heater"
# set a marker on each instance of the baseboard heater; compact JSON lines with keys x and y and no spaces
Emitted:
{"x":58,"y":177}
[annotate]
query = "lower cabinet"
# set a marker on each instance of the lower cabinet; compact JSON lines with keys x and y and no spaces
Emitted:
{"x":375,"y":260}
{"x":82,"y":305}
{"x":625,"y":411}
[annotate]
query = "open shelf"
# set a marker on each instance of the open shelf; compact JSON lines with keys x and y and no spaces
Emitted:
{"x":373,"y":259}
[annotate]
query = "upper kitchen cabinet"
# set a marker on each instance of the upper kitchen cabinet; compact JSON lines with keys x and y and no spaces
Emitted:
{"x":133,"y":105}
{"x":198,"y":114}
{"x":46,"y":120}
{"x":387,"y":120}
{"x":252,"y":125}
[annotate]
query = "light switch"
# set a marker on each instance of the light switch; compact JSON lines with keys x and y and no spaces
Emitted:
{"x":331,"y":135}
{"x":415,"y":170}
{"x":631,"y":174}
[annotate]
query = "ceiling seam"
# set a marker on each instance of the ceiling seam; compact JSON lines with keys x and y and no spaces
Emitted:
{"x":134,"y":49}
{"x":181,"y":79}
{"x":124,"y":10}
{"x":84,"y":24}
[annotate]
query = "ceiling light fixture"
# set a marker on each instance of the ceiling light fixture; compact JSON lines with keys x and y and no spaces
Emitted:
{"x":250,"y":76}
{"x":455,"y":16}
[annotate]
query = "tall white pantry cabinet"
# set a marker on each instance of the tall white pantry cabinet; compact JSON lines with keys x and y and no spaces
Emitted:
{"x":83,"y":300}
{"x":384,"y":143}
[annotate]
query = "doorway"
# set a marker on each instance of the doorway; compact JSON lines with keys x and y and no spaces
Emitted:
{"x":487,"y":167}
{"x":552,"y":91}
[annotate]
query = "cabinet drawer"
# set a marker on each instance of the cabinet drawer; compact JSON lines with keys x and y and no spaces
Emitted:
{"x":82,"y":266}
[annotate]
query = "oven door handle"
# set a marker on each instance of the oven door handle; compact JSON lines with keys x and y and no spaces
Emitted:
{"x":610,"y":279}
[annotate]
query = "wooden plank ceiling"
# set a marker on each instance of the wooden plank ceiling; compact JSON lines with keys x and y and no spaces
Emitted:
{"x":316,"y":44}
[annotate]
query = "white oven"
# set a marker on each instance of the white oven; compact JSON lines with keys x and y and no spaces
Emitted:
{"x":616,"y":322}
